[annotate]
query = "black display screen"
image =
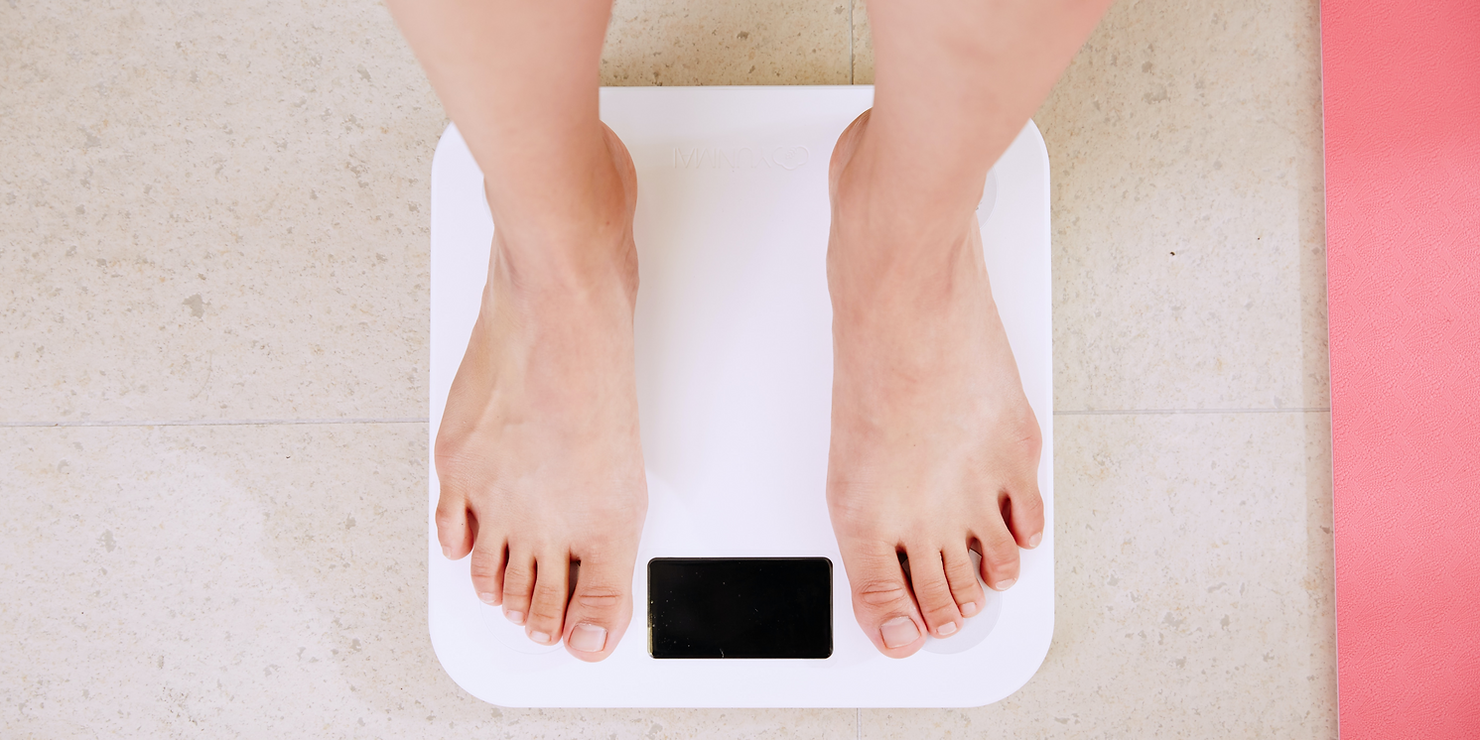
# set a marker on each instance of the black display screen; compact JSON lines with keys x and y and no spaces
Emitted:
{"x":740,"y":607}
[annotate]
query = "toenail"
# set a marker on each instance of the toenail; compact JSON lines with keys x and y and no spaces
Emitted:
{"x":588,"y":638}
{"x":949,"y":628}
{"x":1004,"y":585}
{"x":540,"y":637}
{"x":486,"y":598}
{"x":447,"y":553}
{"x":515,"y":617}
{"x":1035,"y":539}
{"x":899,"y":632}
{"x":968,"y":609}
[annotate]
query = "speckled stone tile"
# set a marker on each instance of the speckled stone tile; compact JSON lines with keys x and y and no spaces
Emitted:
{"x":212,"y":212}
{"x":1189,"y":250}
{"x":223,"y":215}
{"x":761,"y":42}
{"x":1194,"y":587}
{"x":1190,"y":229}
{"x":255,"y":581}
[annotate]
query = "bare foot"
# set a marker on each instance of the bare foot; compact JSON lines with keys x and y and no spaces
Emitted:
{"x":538,"y":453}
{"x":934,"y":447}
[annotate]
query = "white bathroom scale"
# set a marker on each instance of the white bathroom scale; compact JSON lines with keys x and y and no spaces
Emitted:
{"x":734,"y":373}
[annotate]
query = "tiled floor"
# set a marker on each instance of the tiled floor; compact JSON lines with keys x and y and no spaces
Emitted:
{"x":213,"y":243}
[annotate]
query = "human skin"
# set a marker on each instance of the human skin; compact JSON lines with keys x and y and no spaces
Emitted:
{"x":934,"y":449}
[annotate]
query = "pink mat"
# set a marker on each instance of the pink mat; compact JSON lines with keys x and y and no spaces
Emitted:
{"x":1402,"y":106}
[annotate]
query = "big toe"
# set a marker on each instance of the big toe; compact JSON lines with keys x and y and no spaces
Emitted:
{"x":882,"y":601}
{"x":600,"y":607}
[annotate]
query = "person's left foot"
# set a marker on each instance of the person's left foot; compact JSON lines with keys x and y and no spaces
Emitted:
{"x":934,"y":447}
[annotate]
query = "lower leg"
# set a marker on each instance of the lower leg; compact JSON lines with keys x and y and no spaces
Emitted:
{"x":934,"y":450}
{"x":520,"y":80}
{"x":538,"y":454}
{"x":956,"y":80}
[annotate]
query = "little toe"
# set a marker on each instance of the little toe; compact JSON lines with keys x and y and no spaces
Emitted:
{"x":933,"y":591}
{"x":999,"y":555}
{"x":519,"y":579}
{"x":961,"y":574}
{"x":881,"y":598}
{"x":1025,"y":514}
{"x":546,"y":619}
{"x":600,"y":607}
{"x":487,"y":567}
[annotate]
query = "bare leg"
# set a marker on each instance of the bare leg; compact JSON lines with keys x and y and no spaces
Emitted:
{"x":538,"y":454}
{"x":934,"y":449}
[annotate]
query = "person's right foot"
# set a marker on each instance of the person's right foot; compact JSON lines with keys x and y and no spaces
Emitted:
{"x":538,"y":454}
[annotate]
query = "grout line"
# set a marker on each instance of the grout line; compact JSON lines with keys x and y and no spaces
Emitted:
{"x":424,"y":420}
{"x":1145,"y":412}
{"x":852,"y":37}
{"x":207,"y":422}
{"x":858,"y":722}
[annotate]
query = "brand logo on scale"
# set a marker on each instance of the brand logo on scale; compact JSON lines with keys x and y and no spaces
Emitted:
{"x":739,"y":158}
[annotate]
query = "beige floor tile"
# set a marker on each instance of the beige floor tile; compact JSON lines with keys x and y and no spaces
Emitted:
{"x":1189,"y":226}
{"x":224,"y":214}
{"x":221,"y":220}
{"x":692,"y":42}
{"x":216,"y":214}
{"x":1194,"y":587}
{"x":258,"y":578}
{"x":1189,"y":258}
{"x":262,"y":581}
{"x":212,"y":212}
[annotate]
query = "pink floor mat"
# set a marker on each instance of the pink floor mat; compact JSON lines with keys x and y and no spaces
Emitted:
{"x":1402,"y":110}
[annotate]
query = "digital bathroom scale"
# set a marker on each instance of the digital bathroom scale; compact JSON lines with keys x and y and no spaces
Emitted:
{"x":734,"y":373}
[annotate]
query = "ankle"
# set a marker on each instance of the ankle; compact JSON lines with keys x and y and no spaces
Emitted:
{"x":892,"y":250}
{"x":567,"y":237}
{"x":882,"y":263}
{"x":566,"y":268}
{"x":887,"y":184}
{"x":545,"y":213}
{"x":585,"y":192}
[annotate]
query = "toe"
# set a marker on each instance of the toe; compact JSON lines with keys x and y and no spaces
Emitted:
{"x":454,"y":531}
{"x":547,"y":606}
{"x":881,"y":598}
{"x":487,"y":567}
{"x":932,"y":591}
{"x":961,"y":575}
{"x":519,"y":577}
{"x":999,"y":555}
{"x":1025,"y":514}
{"x":600,"y":608}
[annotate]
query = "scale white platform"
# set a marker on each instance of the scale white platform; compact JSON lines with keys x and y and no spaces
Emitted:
{"x":734,"y":365}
